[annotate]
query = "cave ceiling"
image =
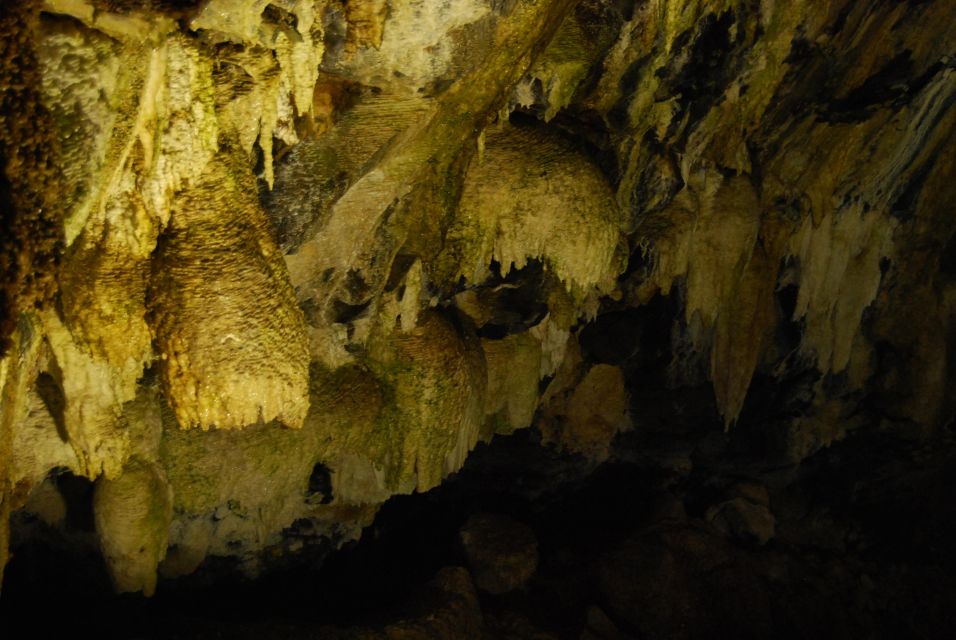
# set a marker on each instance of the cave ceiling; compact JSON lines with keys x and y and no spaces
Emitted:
{"x":244,"y":240}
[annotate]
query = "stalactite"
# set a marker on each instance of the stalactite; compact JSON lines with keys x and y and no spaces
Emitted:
{"x":349,"y":241}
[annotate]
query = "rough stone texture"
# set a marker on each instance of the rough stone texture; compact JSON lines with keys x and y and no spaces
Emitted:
{"x":29,"y":217}
{"x":397,"y":225}
{"x":30,"y":185}
{"x":235,"y":491}
{"x":502,"y":553}
{"x":231,"y":337}
{"x":513,"y":377}
{"x":133,"y":513}
{"x":585,"y":416}
{"x":527,"y":196}
{"x":435,"y":375}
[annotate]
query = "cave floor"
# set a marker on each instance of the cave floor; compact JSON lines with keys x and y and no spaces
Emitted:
{"x":861,"y":547}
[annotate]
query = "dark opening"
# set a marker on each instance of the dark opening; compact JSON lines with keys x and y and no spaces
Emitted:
{"x":517,"y":299}
{"x":77,"y":493}
{"x":320,"y":483}
{"x":947,"y":261}
{"x":345,"y":312}
{"x":52,"y":395}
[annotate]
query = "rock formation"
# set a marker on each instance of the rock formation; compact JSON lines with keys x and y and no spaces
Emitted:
{"x":349,"y":240}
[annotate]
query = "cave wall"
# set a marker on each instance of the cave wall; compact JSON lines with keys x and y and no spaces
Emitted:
{"x":246,"y":240}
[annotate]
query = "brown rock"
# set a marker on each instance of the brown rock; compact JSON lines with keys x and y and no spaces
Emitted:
{"x":744,"y":520}
{"x":601,"y":627}
{"x":587,"y":420}
{"x":446,"y":609}
{"x":502,"y":553}
{"x":683,"y":582}
{"x":232,"y":339}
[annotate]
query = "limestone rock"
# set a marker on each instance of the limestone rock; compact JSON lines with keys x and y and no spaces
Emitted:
{"x":223,"y":312}
{"x":32,"y":211}
{"x":93,"y":395}
{"x":400,"y":424}
{"x":391,"y":224}
{"x":436,"y":375}
{"x":31,"y":216}
{"x":513,"y":375}
{"x":409,"y":46}
{"x":81,"y":82}
{"x":236,"y":491}
{"x":38,"y":442}
{"x":529,"y":196}
{"x":563,"y":66}
{"x":47,"y":503}
{"x":350,"y":257}
{"x":585,"y":418}
{"x":315,"y":173}
{"x":133,"y":513}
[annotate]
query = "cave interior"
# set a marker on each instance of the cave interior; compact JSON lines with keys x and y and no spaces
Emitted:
{"x":478,"y":319}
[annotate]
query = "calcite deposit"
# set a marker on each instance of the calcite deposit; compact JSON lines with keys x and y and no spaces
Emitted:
{"x":268,"y":264}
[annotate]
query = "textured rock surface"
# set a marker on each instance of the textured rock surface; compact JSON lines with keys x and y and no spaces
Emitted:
{"x":133,"y":513}
{"x":584,"y":417}
{"x":231,"y":337}
{"x":351,"y":240}
{"x":526,"y":196}
{"x":502,"y":553}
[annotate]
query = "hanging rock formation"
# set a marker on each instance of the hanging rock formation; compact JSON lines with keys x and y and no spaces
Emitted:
{"x":351,"y":240}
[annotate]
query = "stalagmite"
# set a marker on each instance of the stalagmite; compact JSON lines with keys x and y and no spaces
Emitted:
{"x":513,"y":378}
{"x":584,"y":417}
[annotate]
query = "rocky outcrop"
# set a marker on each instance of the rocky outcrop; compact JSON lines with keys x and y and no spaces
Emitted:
{"x":502,"y":552}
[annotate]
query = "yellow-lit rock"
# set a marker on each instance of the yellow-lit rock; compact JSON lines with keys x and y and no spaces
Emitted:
{"x":232,"y":338}
{"x":529,"y":196}
{"x":585,"y":418}
{"x":514,"y":365}
{"x":279,"y":221}
{"x":435,"y":376}
{"x":133,"y":513}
